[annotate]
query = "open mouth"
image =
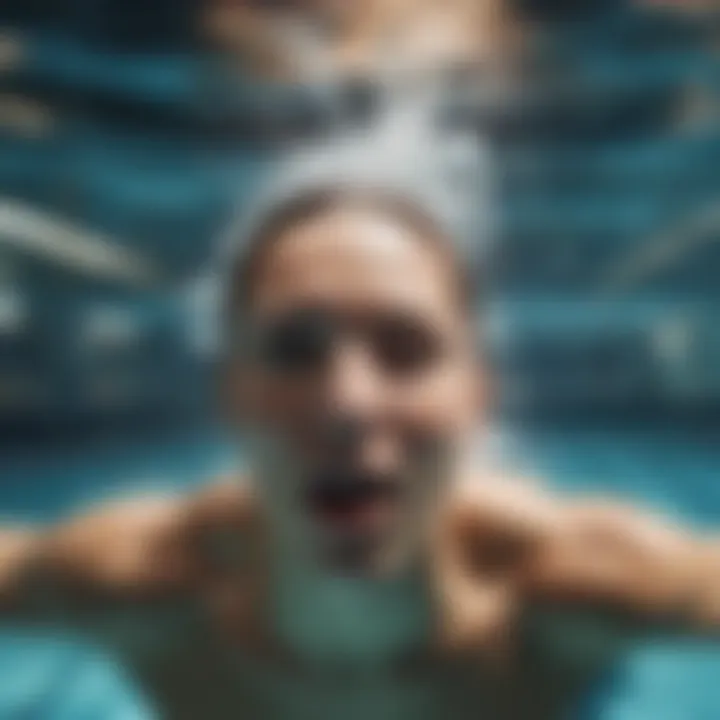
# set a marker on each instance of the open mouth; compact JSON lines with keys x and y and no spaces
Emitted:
{"x":351,"y":502}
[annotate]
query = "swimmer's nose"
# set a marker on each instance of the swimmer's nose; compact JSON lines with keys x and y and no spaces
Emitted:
{"x":356,"y":404}
{"x":353,"y":387}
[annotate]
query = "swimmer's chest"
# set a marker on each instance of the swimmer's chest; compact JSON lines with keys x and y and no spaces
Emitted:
{"x":347,"y":673}
{"x":354,"y":655}
{"x":203,"y":685}
{"x":212,"y":687}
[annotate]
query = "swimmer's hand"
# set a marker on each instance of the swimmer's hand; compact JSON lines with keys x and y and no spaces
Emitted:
{"x":511,"y":546}
{"x":142,"y":549}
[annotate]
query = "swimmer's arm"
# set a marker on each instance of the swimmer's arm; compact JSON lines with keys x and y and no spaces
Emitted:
{"x":137,"y":551}
{"x":125,"y":551}
{"x":612,"y":556}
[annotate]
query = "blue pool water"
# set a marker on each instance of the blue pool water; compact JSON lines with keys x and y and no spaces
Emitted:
{"x":672,"y":471}
{"x":57,"y":678}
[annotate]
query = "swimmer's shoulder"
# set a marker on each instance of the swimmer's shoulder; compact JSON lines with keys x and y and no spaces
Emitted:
{"x":224,"y":499}
{"x":505,"y":504}
{"x":225,"y":505}
{"x":146,"y":544}
{"x":221,"y":523}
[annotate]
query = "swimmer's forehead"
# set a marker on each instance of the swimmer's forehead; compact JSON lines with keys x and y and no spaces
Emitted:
{"x":359,"y":258}
{"x":314,"y":236}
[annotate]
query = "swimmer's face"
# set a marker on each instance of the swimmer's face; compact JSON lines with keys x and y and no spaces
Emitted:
{"x":358,"y":387}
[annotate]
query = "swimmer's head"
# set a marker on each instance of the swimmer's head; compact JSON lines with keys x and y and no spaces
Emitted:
{"x":352,"y":370}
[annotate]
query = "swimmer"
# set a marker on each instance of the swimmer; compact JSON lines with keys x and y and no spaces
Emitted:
{"x":364,"y":567}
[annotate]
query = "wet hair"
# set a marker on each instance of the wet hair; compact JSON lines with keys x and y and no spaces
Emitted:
{"x":319,"y":201}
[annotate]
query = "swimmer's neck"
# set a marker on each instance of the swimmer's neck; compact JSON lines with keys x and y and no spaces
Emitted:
{"x":320,"y":612}
{"x":324,"y":615}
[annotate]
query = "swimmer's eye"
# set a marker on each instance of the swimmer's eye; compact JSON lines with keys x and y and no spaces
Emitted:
{"x":301,"y":342}
{"x":405,"y":346}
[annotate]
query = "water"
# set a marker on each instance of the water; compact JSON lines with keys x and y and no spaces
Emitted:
{"x":674,"y":472}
